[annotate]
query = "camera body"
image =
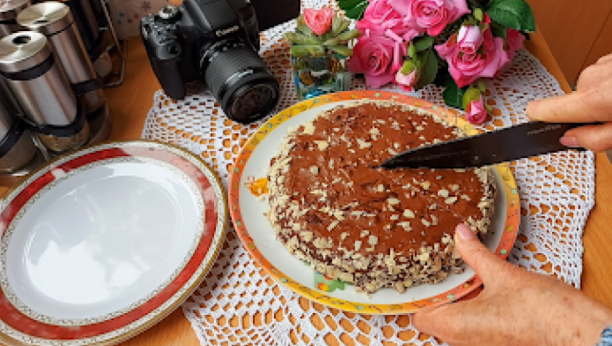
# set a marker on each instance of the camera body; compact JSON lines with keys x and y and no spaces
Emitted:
{"x":215,"y":41}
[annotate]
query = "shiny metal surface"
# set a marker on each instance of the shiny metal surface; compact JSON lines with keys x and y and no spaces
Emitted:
{"x":6,"y":121}
{"x":14,"y":177}
{"x":8,"y":99}
{"x":71,"y":52}
{"x":22,"y":50}
{"x":20,"y":154}
{"x":48,"y":17}
{"x":48,"y":99}
{"x":9,"y":9}
{"x":7,"y":29}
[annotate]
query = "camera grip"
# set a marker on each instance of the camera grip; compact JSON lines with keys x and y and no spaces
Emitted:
{"x":169,"y":76}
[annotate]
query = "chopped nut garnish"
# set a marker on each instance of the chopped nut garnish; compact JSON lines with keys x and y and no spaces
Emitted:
{"x":394,"y":217}
{"x":375,"y":131}
{"x":426,"y":185}
{"x":373,"y":240}
{"x":434,"y":220}
{"x":381,"y":188}
{"x":450,"y":200}
{"x":332,"y":225}
{"x":309,"y":129}
{"x":314,"y":169}
{"x":425,"y":223}
{"x":364,"y":233}
{"x":344,"y":235}
{"x":363,"y":144}
{"x":357,"y":245}
{"x":455,"y":187}
{"x":322,"y":145}
{"x":443,"y":193}
{"x":409,"y":214}
{"x":466,"y":197}
{"x":393,"y":200}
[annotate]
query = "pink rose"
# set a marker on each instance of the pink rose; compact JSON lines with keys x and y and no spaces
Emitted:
{"x":406,"y":81}
{"x":514,"y":41}
{"x":378,"y":17}
{"x":430,"y":16}
{"x":373,"y":55}
{"x":467,"y":65}
{"x":476,"y":111}
{"x":469,"y":38}
{"x":319,"y":21}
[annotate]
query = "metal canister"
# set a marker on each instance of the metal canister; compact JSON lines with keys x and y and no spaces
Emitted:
{"x":9,"y":9}
{"x":86,"y":22}
{"x":40,"y":86}
{"x":16,"y":146}
{"x":54,"y":20}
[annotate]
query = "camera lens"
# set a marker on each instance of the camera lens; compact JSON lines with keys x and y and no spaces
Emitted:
{"x":239,"y":79}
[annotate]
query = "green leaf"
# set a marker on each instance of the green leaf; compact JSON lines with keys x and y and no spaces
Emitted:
{"x":412,"y":50}
{"x":305,"y":50}
{"x":349,"y":35}
{"x":298,"y":38}
{"x":408,"y":66}
{"x":422,"y":43}
{"x":302,"y":27}
{"x":342,"y":50}
{"x":339,"y":25}
{"x":478,"y":14}
{"x":429,"y":68}
{"x":453,"y":95}
{"x":353,"y":9}
{"x":514,"y":14}
{"x":498,"y":30}
{"x":470,"y":95}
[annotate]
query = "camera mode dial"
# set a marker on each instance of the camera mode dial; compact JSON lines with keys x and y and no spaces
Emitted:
{"x":168,"y":13}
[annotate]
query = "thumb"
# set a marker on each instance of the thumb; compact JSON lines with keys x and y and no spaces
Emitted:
{"x":477,"y":255}
{"x":597,"y":138}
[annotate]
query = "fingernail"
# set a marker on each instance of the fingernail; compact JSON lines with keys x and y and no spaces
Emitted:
{"x":569,"y":142}
{"x":464,"y":233}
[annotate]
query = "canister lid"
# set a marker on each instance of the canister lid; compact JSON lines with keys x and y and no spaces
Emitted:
{"x":47,"y":17}
{"x":23,"y":50}
{"x":10,"y":8}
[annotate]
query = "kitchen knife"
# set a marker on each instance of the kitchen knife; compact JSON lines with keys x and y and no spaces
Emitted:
{"x":513,"y":143}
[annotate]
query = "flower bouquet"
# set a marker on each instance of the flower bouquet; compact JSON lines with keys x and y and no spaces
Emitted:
{"x":320,"y":47}
{"x":455,"y":44}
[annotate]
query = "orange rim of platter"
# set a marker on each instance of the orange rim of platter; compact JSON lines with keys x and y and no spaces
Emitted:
{"x":503,"y":249}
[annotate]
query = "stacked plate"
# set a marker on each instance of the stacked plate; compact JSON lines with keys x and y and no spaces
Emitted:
{"x":103,"y":243}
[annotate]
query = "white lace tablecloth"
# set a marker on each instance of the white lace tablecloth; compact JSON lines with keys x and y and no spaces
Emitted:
{"x":238,"y":304}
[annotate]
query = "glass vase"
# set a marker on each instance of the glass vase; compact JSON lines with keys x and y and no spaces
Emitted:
{"x":319,"y":75}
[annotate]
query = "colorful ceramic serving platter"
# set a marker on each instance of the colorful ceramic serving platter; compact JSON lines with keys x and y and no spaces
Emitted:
{"x":103,"y":243}
{"x":247,"y":204}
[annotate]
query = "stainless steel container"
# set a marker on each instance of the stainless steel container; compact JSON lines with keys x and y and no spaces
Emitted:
{"x":86,"y":22}
{"x":16,"y":146}
{"x":39,"y":83}
{"x":54,"y":20}
{"x":9,"y":9}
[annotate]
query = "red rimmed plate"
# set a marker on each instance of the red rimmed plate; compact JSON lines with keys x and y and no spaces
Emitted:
{"x":103,"y":243}
{"x":248,"y":184}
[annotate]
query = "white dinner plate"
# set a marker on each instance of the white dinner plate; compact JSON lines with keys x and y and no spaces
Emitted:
{"x":103,"y":243}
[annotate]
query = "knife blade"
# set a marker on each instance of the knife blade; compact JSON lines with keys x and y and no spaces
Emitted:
{"x":512,"y":143}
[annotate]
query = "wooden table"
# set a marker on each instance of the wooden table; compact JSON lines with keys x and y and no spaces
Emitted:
{"x":130,"y":102}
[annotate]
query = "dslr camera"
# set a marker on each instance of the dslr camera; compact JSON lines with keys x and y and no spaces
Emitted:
{"x":216,"y":42}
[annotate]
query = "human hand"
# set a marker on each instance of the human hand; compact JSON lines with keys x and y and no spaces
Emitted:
{"x":516,"y":307}
{"x":591,"y":102}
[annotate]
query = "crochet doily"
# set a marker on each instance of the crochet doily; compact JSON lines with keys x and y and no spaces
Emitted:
{"x":239,"y":304}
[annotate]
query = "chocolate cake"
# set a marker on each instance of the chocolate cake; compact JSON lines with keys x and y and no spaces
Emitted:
{"x":369,"y":226}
